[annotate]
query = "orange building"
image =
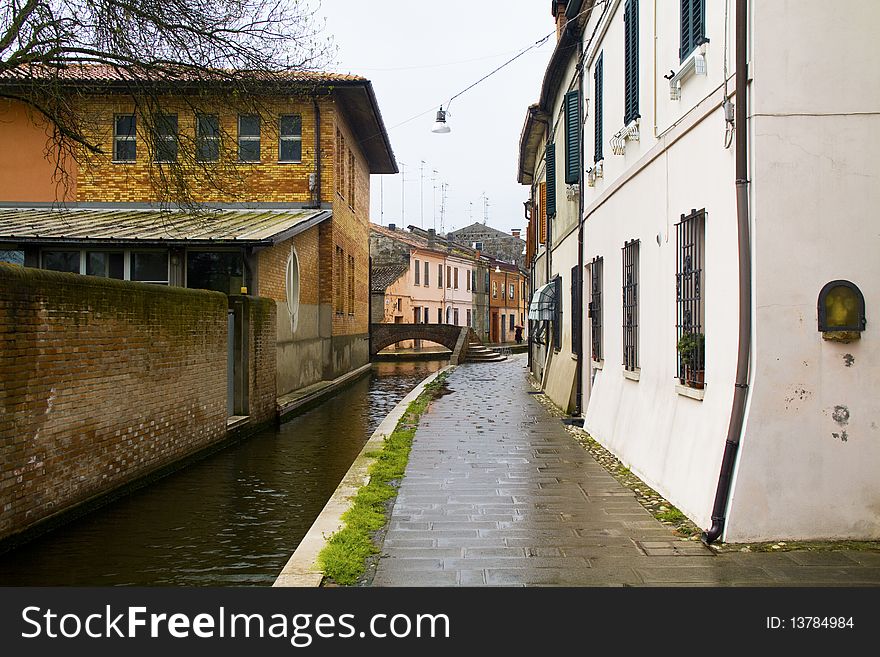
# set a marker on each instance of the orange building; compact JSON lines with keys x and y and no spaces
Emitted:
{"x":507,"y":302}
{"x":284,"y":196}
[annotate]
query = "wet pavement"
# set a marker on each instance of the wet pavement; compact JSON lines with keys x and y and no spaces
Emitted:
{"x":498,"y":493}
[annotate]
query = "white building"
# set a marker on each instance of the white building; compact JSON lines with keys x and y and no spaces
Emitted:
{"x":663,"y":128}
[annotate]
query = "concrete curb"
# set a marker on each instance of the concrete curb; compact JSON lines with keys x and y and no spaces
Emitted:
{"x":301,"y":569}
{"x":285,"y":410}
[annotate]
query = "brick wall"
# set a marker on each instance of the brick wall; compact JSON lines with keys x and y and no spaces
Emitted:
{"x":272,"y":264}
{"x":102,"y":382}
{"x":261,"y":359}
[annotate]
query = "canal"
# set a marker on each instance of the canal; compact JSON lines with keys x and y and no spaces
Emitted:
{"x":232,"y":519}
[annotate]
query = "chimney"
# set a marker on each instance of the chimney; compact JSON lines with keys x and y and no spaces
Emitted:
{"x":432,"y":238}
{"x":392,"y":226}
{"x":559,"y":15}
{"x":515,"y":232}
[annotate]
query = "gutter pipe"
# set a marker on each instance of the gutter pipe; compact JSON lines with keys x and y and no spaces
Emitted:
{"x":741,"y":389}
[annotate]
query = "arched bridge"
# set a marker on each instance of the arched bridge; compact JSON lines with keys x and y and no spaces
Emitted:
{"x":454,"y":338}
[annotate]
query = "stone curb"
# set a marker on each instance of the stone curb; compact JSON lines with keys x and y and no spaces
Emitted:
{"x":301,"y":569}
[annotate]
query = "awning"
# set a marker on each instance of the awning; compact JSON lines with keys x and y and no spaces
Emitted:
{"x":543,"y":305}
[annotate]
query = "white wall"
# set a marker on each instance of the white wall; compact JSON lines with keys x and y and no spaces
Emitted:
{"x":815,"y":199}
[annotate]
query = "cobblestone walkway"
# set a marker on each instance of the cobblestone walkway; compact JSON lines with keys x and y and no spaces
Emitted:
{"x":498,"y":493}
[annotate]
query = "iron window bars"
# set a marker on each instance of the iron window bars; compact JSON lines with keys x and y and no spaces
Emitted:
{"x":690,"y":249}
{"x":596,"y":308}
{"x":631,"y":305}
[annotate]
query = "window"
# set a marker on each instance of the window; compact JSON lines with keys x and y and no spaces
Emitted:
{"x":474,"y":280}
{"x":340,"y":163}
{"x":557,"y":320}
{"x":124,"y":138}
{"x":149,"y":267}
{"x":572,"y":137}
{"x":417,"y":315}
{"x":467,"y":280}
{"x":512,"y":320}
{"x":427,"y":319}
{"x":399,"y":304}
{"x":511,"y":292}
{"x":338,"y":280}
{"x":597,"y":109}
{"x":351,"y":285}
{"x":291,"y":284}
{"x":448,"y":276}
{"x":469,"y":317}
{"x":576,"y":310}
{"x":595,"y":310}
{"x":248,"y":138}
{"x":440,"y":275}
{"x":542,"y":196}
{"x":67,"y":261}
{"x":494,"y":289}
{"x":418,"y":272}
{"x":455,"y":316}
{"x":207,"y":138}
{"x":455,"y":275}
{"x":166,"y":138}
{"x":693,"y":26}
{"x":290,"y":138}
{"x":690,"y":239}
{"x":439,"y":315}
{"x":630,"y":61}
{"x":448,"y":314}
{"x":351,"y":174}
{"x":631,"y":305}
{"x":550,"y":162}
{"x":486,"y":283}
{"x":108,"y":264}
{"x":12,"y":256}
{"x":426,"y":274}
{"x":221,"y":271}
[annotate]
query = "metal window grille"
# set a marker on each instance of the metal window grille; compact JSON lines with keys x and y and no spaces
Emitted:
{"x":690,"y":241}
{"x":631,"y":305}
{"x":596,"y":308}
{"x":557,"y":321}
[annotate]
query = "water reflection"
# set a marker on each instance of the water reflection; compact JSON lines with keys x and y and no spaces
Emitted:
{"x":232,"y":519}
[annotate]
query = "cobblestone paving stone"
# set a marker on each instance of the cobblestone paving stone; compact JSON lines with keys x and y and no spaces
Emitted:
{"x":498,"y":493}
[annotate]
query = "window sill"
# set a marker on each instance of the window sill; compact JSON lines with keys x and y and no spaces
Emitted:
{"x":632,"y":375}
{"x":289,"y":161}
{"x":693,"y":393}
{"x":597,"y":364}
{"x":123,"y":161}
{"x":249,"y":161}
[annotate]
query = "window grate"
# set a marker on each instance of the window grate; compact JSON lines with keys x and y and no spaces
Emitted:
{"x":631,"y":305}
{"x":596,"y":308}
{"x":690,"y":240}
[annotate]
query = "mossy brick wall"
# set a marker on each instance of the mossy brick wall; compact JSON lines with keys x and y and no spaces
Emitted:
{"x":101,"y":382}
{"x":262,"y":329}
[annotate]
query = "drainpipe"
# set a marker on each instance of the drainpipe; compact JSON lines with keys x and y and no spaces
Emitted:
{"x":579,"y":375}
{"x":740,"y":392}
{"x":317,"y":192}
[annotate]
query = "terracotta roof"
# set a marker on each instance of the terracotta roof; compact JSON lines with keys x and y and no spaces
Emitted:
{"x":405,"y":237}
{"x":136,"y":226}
{"x":383,"y":277}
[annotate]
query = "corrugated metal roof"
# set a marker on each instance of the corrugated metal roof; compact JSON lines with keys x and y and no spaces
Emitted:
{"x":252,"y":226}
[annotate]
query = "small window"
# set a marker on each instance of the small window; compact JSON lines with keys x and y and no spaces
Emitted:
{"x":689,"y":295}
{"x":448,"y":277}
{"x":693,"y":26}
{"x":597,"y":109}
{"x":455,"y":284}
{"x":511,"y":292}
{"x":108,"y":264}
{"x":352,"y":169}
{"x":427,"y":317}
{"x":631,"y":62}
{"x":351,"y":285}
{"x":469,"y":317}
{"x":399,"y":304}
{"x":66,"y":261}
{"x":494,"y":289}
{"x":124,"y":138}
{"x":426,"y":274}
{"x":439,"y":315}
{"x":12,"y":256}
{"x":455,"y":316}
{"x":248,"y":138}
{"x":290,"y":138}
{"x":631,"y":305}
{"x":166,"y":137}
{"x":467,"y":279}
{"x":417,"y":315}
{"x":512,"y":320}
{"x":207,"y":138}
{"x":150,"y":267}
{"x":221,"y":271}
{"x":557,"y":316}
{"x":595,"y":309}
{"x":417,"y":270}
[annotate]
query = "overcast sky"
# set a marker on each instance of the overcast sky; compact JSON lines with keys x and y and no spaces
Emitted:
{"x":418,"y":54}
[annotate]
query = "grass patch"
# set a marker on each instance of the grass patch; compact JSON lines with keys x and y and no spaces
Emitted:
{"x":344,"y":557}
{"x":671,"y":515}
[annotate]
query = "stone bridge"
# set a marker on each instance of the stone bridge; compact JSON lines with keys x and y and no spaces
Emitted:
{"x":454,"y":338}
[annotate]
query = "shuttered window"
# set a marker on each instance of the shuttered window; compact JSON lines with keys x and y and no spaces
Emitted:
{"x":693,"y":26}
{"x":572,"y":137}
{"x":543,"y":216}
{"x":550,"y":160}
{"x":631,"y":61}
{"x":576,"y":310}
{"x":597,"y":110}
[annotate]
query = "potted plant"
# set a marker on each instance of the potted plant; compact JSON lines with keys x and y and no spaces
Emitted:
{"x":692,"y":349}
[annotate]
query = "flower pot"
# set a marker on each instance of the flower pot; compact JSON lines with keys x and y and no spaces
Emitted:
{"x":696,"y":378}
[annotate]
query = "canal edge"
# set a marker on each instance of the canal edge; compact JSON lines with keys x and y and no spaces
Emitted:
{"x":301,"y":569}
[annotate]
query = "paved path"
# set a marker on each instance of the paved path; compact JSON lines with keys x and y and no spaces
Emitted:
{"x":498,"y":493}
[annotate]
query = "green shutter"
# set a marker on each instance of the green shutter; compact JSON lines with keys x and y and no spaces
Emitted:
{"x":572,"y":137}
{"x":550,"y":158}
{"x":631,"y":61}
{"x":685,"y":43}
{"x":597,"y":109}
{"x":693,"y":26}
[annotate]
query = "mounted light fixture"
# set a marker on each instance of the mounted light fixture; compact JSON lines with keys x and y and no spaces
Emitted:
{"x":440,"y":125}
{"x":841,"y":311}
{"x":497,"y":269}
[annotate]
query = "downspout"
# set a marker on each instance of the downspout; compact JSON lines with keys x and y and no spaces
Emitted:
{"x":316,"y":194}
{"x":740,"y":393}
{"x":578,"y":401}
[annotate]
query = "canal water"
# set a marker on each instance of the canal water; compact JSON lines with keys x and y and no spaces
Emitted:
{"x":232,"y":519}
